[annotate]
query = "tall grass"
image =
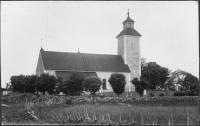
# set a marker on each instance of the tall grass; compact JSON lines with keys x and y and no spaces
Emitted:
{"x":135,"y":112}
{"x":146,"y":115}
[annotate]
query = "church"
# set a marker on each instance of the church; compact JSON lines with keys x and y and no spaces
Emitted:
{"x":127,"y":61}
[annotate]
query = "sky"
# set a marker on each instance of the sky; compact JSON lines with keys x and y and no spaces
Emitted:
{"x":169,"y":31}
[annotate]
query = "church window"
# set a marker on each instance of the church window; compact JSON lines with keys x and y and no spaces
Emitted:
{"x":132,"y":44}
{"x":104,"y":83}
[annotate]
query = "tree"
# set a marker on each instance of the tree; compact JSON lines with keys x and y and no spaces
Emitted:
{"x":117,"y":82}
{"x":185,"y":79}
{"x":154,"y":75}
{"x":18,"y":83}
{"x":30,"y":83}
{"x":176,"y":77}
{"x":46,"y":82}
{"x":92,"y":84}
{"x":189,"y":81}
{"x":194,"y":90}
{"x":74,"y":86}
{"x":140,"y":85}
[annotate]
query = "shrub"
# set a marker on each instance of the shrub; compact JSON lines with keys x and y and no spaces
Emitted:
{"x":161,"y":94}
{"x":92,"y":84}
{"x":194,"y":90}
{"x":140,"y":85}
{"x":46,"y":83}
{"x":191,"y":93}
{"x":117,"y":82}
{"x":179,"y":94}
{"x":73,"y":86}
{"x":151,"y":94}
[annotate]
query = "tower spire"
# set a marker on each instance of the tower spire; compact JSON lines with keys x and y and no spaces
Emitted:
{"x":41,"y":42}
{"x":128,"y":13}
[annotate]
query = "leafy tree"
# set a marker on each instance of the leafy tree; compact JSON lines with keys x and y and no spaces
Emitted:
{"x":92,"y":84}
{"x":30,"y":83}
{"x":189,"y":81}
{"x":74,"y":86}
{"x":154,"y":75}
{"x":46,"y":82}
{"x":18,"y":83}
{"x":176,"y":77}
{"x":117,"y":82}
{"x":194,"y":90}
{"x":140,"y":85}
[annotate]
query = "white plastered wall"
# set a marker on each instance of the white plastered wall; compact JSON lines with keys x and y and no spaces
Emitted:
{"x":51,"y":72}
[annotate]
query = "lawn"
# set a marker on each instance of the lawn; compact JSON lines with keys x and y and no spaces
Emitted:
{"x":137,"y":112}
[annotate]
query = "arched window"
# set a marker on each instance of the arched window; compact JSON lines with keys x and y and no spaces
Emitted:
{"x":132,"y":44}
{"x":104,"y":84}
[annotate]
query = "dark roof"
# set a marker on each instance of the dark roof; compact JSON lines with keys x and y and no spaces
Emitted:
{"x":128,"y":20}
{"x":129,"y":31}
{"x":66,"y":74}
{"x":83,"y":62}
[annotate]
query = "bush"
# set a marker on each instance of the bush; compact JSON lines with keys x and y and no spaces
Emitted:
{"x":151,"y":94}
{"x":194,"y":90}
{"x":74,"y":85}
{"x":46,"y":83}
{"x":117,"y":82}
{"x":140,"y":85}
{"x":191,"y":93}
{"x":92,"y":84}
{"x":161,"y":94}
{"x":179,"y":94}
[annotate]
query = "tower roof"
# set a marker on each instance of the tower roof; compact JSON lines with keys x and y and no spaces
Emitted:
{"x":128,"y":19}
{"x":129,"y":31}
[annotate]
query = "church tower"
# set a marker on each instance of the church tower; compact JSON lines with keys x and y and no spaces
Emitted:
{"x":129,"y":47}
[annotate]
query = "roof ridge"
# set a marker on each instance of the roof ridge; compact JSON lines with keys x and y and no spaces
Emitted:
{"x":58,"y":52}
{"x":81,"y":53}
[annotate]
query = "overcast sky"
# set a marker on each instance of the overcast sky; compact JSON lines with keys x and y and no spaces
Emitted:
{"x":169,"y":31}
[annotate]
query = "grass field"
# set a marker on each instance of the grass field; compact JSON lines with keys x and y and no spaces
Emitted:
{"x":140,"y":112}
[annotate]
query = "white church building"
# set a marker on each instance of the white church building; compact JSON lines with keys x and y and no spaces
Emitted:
{"x":127,"y":60}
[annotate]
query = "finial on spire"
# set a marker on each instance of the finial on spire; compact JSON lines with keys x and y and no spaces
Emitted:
{"x":78,"y":50}
{"x":128,"y":13}
{"x":41,"y":45}
{"x":41,"y":42}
